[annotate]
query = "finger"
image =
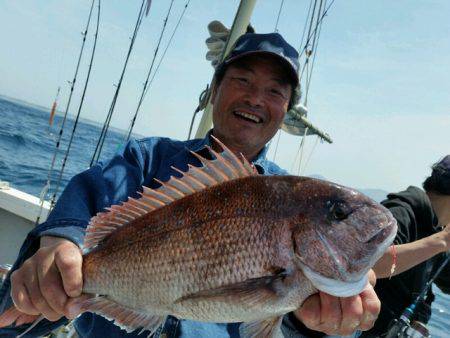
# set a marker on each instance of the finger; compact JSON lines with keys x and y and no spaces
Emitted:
{"x":74,"y":306}
{"x":26,"y":319}
{"x":69,"y":261}
{"x":37,"y":299}
{"x":371,"y":308}
{"x":309,"y":312}
{"x":331,"y":313}
{"x":352,"y":312}
{"x":10,"y":316}
{"x":50,"y":284}
{"x":372,"y":277}
{"x":19,"y":294}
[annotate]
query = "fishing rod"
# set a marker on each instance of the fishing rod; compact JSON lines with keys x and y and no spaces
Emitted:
{"x":58,"y":184}
{"x":101,"y":140}
{"x":402,"y":327}
{"x":61,"y":130}
{"x":141,"y":99}
{"x":162,"y":57}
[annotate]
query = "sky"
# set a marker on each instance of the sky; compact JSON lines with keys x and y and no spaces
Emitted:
{"x":380,"y":85}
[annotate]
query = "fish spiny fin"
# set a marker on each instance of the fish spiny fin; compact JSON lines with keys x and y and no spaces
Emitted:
{"x":254,"y":292}
{"x":124,"y":317}
{"x":242,"y":163}
{"x":224,"y":167}
{"x":270,"y":327}
{"x":170,"y":189}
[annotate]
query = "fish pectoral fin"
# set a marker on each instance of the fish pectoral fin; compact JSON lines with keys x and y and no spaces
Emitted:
{"x":268,"y":328}
{"x":124,"y":317}
{"x":255,"y":291}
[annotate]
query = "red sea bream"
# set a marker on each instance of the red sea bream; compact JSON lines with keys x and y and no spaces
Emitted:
{"x":221,"y":243}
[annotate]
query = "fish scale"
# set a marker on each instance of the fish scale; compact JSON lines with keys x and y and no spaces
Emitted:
{"x":187,"y":259}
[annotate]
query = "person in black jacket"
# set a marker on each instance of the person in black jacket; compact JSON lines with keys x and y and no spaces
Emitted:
{"x":420,"y":247}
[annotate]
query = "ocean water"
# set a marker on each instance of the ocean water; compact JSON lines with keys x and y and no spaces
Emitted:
{"x":27,"y":146}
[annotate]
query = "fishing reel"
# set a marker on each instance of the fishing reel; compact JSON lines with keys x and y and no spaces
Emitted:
{"x":404,"y":329}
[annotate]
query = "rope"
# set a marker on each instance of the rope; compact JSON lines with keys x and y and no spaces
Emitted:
{"x":164,"y":54}
{"x":58,"y":184}
{"x":278,"y":17}
{"x":312,"y":41}
{"x":101,"y":140}
{"x":202,"y":101}
{"x":311,"y":152}
{"x":313,"y":52}
{"x":304,"y":27}
{"x":133,"y":120}
{"x":61,"y":130}
{"x":302,"y":148}
{"x":310,"y":36}
{"x":314,"y":48}
{"x":299,"y":150}
{"x":276,"y":145}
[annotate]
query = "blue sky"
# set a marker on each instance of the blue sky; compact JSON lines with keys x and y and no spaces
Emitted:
{"x":380,"y":85}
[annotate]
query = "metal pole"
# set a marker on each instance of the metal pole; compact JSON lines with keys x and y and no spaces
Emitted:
{"x":241,"y":21}
{"x":324,"y":136}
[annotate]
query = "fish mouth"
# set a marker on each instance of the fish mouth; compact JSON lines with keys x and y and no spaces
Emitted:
{"x":380,"y":241}
{"x":388,"y":233}
{"x":385,"y":236}
{"x":383,"y":219}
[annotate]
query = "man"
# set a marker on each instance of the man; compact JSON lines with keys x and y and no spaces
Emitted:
{"x":421,"y":246}
{"x":253,"y":90}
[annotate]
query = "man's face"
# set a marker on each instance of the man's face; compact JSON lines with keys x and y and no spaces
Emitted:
{"x":250,"y":102}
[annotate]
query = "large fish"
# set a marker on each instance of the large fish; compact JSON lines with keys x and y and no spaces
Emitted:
{"x":224,"y":244}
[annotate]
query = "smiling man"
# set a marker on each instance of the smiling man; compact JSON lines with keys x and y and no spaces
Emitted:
{"x":250,"y":102}
{"x":254,"y":87}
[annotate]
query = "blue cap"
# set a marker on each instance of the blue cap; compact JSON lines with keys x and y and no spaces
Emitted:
{"x":271,"y":43}
{"x":443,"y":166}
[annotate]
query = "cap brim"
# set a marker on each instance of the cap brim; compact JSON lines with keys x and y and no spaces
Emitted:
{"x":291,"y":69}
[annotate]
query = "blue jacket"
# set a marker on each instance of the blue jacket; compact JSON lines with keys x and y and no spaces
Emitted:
{"x":101,"y":186}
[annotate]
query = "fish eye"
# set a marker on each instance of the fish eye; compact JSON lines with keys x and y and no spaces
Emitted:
{"x":339,"y":211}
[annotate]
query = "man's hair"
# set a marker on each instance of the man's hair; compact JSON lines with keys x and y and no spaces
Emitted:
{"x":222,"y":69}
{"x":439,"y":180}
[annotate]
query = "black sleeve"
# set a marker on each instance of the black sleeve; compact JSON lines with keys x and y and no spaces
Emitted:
{"x":443,"y":279}
{"x":293,"y":328}
{"x":402,"y":212}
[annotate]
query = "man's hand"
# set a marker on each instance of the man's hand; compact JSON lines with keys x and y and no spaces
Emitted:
{"x":446,"y":236}
{"x":45,"y":281}
{"x":341,"y":316}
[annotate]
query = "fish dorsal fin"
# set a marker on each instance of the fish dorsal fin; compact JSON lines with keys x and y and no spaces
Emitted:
{"x":225,"y":166}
